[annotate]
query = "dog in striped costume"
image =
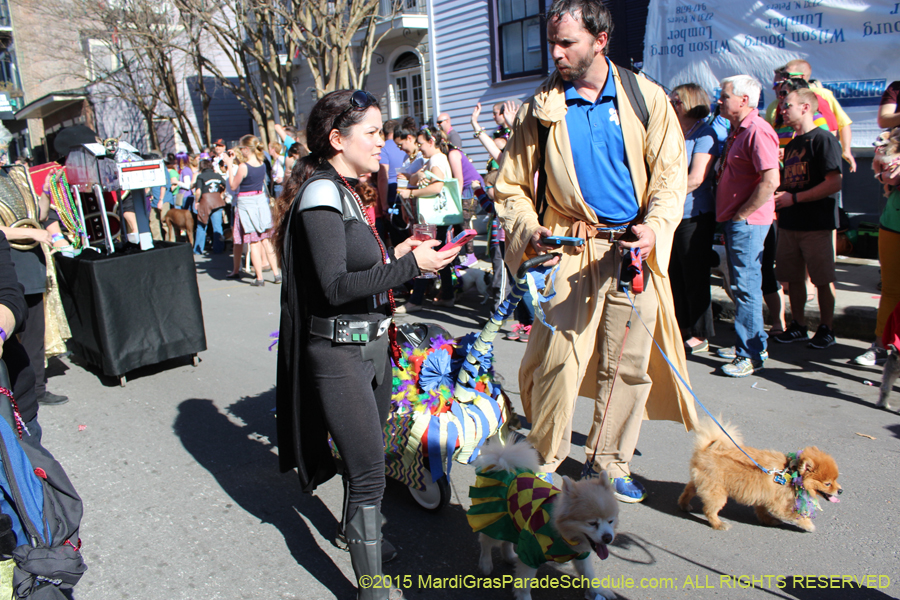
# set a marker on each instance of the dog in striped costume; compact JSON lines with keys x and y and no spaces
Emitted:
{"x":533,"y":521}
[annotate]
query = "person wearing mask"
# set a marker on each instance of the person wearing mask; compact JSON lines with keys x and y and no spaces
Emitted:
{"x":336,"y":269}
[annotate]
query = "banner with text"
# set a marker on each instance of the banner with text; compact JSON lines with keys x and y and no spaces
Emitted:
{"x":852,"y":45}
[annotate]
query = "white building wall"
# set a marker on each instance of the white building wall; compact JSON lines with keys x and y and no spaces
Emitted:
{"x":463,"y":52}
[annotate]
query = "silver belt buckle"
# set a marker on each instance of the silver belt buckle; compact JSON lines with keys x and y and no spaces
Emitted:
{"x":383,"y":327}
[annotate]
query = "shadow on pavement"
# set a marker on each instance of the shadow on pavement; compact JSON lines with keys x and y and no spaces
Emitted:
{"x":894,"y":429}
{"x":663,"y":496}
{"x":240,"y":457}
{"x":111,"y":381}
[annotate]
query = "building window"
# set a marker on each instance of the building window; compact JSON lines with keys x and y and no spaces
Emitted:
{"x":520,"y":38}
{"x":407,"y":93}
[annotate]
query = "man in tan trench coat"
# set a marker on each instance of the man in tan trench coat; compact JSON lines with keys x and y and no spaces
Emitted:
{"x":588,"y":311}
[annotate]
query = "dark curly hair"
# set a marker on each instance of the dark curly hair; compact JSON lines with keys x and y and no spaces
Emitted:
{"x":329,"y":113}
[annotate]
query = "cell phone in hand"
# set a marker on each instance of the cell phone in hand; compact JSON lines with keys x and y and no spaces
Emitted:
{"x":562,"y":240}
{"x":461,"y":239}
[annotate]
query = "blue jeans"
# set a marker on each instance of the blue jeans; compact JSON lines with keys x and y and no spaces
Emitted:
{"x":218,"y":236}
{"x":744,"y":244}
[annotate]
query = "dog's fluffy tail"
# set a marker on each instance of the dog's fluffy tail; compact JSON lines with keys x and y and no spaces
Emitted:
{"x":516,"y":453}
{"x":708,"y":433}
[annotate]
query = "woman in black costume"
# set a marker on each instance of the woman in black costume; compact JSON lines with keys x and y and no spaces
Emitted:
{"x":334,"y":372}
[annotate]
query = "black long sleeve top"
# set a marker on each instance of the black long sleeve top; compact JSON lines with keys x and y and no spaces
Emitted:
{"x":21,"y":375}
{"x":340,"y":264}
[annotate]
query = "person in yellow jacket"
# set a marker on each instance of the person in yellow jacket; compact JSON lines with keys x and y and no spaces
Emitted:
{"x":604,"y":175}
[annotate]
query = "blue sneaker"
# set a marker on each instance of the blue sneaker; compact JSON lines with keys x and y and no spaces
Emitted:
{"x":628,"y":490}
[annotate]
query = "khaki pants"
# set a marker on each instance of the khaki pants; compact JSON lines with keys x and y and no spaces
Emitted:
{"x":555,"y":366}
{"x":157,"y":217}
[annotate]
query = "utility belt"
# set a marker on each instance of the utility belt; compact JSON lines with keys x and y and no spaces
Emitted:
{"x":348,"y":329}
{"x":370,"y":336}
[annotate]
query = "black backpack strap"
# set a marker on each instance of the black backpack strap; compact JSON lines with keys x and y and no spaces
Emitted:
{"x":540,"y":204}
{"x":635,"y":95}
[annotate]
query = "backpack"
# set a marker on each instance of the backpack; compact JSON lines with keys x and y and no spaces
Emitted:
{"x":44,"y":509}
{"x":638,"y":103}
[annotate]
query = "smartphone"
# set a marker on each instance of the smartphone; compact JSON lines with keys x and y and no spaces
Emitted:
{"x":461,"y":239}
{"x":561,"y":240}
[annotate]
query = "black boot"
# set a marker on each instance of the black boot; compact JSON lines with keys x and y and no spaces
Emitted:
{"x":364,"y":539}
{"x":388,"y":551}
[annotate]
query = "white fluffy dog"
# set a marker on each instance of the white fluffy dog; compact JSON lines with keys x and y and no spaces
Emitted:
{"x":533,"y":521}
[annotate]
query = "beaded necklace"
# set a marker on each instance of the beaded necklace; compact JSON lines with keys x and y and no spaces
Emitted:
{"x":20,"y":424}
{"x":392,"y":331}
{"x":65,"y":204}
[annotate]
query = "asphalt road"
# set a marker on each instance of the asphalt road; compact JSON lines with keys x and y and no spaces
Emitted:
{"x":183,"y":498}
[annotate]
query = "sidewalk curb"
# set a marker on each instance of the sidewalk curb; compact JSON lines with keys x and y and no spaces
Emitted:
{"x":855,"y":322}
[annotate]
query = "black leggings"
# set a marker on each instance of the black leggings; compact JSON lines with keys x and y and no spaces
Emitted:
{"x":770,"y":284}
{"x":355,"y":412}
{"x":689,"y":268}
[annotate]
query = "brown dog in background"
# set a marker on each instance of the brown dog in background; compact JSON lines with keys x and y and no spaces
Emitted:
{"x":177,"y":219}
{"x":720,"y":471}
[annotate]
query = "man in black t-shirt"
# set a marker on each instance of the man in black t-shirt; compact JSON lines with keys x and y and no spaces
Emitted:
{"x":807,"y":217}
{"x":209,"y":181}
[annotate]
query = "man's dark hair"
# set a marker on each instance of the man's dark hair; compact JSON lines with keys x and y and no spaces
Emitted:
{"x":594,"y":16}
{"x":389,"y":127}
{"x":205,"y":164}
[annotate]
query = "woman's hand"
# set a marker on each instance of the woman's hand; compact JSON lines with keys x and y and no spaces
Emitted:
{"x":405,"y":247}
{"x":405,"y":193}
{"x":430,"y":260}
{"x":476,"y":112}
{"x":510,"y":108}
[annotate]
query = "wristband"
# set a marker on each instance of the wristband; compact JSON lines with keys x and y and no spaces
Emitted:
{"x":2,"y":334}
{"x":58,"y":237}
{"x":794,"y":198}
{"x":478,"y":133}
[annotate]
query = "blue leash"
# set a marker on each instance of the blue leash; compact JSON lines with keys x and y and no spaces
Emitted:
{"x":681,"y":379}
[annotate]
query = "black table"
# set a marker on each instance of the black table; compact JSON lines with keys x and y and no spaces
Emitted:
{"x":132,"y":309}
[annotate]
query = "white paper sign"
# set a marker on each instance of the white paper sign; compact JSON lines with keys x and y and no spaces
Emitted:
{"x":852,"y":45}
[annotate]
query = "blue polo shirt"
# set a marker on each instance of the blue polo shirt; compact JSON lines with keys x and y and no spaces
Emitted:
{"x":603,"y":175}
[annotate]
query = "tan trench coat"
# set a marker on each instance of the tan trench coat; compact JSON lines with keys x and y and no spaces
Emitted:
{"x":661,"y":200}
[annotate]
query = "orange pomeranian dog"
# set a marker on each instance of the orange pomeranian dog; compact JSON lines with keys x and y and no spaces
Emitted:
{"x":789,"y":493}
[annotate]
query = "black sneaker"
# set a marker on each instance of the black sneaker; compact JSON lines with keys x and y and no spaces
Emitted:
{"x":824,"y":337}
{"x":50,"y":399}
{"x":794,"y":333}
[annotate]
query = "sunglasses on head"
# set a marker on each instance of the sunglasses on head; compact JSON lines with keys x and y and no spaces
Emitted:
{"x":359,"y":100}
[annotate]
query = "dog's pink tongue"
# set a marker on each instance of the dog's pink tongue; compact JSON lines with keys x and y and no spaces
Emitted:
{"x":833,"y":499}
{"x":602,"y":551}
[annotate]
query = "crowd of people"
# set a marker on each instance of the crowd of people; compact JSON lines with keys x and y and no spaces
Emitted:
{"x":665,"y":174}
{"x":344,"y":213}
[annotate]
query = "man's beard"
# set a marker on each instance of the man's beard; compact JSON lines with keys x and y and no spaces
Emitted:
{"x":576,"y":71}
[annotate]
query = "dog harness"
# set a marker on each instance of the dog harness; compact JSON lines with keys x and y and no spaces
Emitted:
{"x":805,"y":504}
{"x":517,"y":507}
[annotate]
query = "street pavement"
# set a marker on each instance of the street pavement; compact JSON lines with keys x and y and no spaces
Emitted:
{"x":183,"y":498}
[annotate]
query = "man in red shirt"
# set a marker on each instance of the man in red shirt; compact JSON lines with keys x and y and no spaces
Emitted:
{"x":748,"y":175}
